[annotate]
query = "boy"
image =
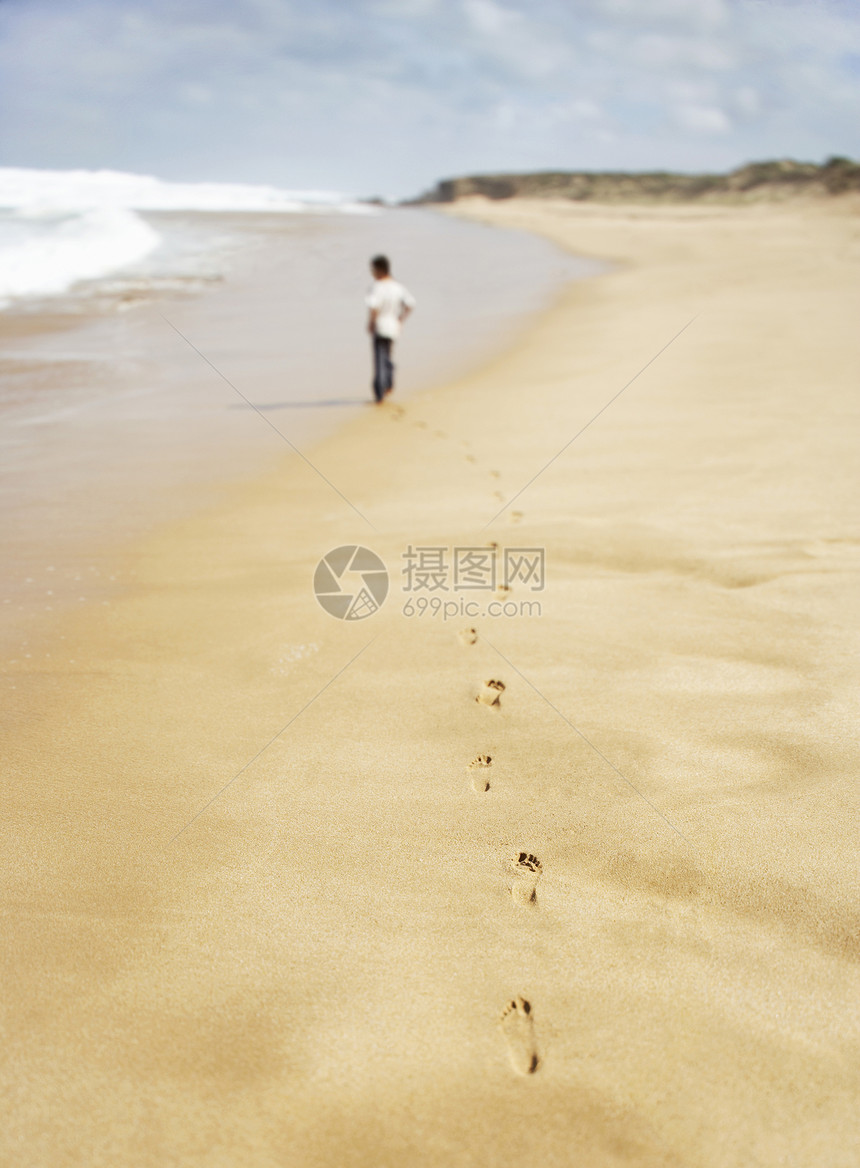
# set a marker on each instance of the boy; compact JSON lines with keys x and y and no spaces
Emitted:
{"x":389,"y":304}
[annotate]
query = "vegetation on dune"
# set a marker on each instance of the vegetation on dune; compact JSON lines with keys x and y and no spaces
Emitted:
{"x":756,"y":180}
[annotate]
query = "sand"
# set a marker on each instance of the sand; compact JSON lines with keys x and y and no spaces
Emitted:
{"x":111,"y":423}
{"x":281,"y":891}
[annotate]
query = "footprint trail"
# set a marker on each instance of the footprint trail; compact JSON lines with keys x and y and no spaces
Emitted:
{"x":480,"y":768}
{"x":527,"y":870}
{"x":517,"y":1023}
{"x":490,"y":693}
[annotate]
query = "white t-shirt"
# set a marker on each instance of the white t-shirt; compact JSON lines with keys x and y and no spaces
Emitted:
{"x":388,"y":298}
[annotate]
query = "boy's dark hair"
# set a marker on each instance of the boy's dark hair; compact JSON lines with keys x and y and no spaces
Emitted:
{"x":380,"y":263}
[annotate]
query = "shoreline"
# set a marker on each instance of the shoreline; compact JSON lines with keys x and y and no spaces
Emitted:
{"x":318,"y":966}
{"x":113,"y":424}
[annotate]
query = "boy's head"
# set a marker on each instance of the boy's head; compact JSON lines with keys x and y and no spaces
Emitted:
{"x":380,"y":266}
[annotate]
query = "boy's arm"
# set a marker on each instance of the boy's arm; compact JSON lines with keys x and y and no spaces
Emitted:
{"x":407,"y":303}
{"x":371,"y":321}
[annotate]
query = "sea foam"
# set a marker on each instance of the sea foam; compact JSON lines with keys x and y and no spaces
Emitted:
{"x":59,"y":227}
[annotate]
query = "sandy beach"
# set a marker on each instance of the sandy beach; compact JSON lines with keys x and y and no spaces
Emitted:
{"x":140,"y":398}
{"x":268,"y":903}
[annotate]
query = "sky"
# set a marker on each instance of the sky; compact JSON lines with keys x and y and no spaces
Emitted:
{"x":385,"y":97}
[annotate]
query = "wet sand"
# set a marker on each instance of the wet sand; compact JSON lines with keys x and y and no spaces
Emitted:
{"x":136,"y":400}
{"x":268,"y":903}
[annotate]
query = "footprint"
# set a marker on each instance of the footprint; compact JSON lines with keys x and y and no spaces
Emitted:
{"x":468,"y":636}
{"x":395,"y":412}
{"x":479,"y":767}
{"x":420,"y":425}
{"x":502,"y":589}
{"x":527,"y":869}
{"x":494,"y":474}
{"x":490,"y":693}
{"x":498,"y":496}
{"x":470,"y":458}
{"x":518,"y":1027}
{"x":514,"y":516}
{"x":439,"y":434}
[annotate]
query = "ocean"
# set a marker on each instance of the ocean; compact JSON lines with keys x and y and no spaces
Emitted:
{"x":146,"y":326}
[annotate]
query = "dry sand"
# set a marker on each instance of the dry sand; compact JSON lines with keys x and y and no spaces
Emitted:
{"x":631,"y":938}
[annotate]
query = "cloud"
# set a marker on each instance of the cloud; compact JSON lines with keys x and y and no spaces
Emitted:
{"x":488,"y":17}
{"x":387,"y":95}
{"x":746,"y":101}
{"x":704,"y":14}
{"x":702,"y":119}
{"x":658,"y":51}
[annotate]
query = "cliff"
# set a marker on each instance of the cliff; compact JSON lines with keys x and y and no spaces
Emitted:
{"x":757,"y":180}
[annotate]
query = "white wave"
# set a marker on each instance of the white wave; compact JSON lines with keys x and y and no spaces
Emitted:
{"x":47,"y":258}
{"x":60,"y":227}
{"x":39,"y":191}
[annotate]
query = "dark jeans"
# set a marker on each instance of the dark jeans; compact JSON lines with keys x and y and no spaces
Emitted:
{"x":383,"y":369}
